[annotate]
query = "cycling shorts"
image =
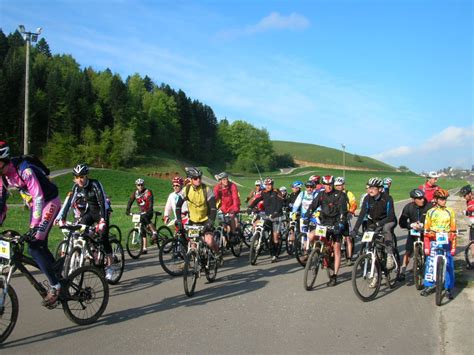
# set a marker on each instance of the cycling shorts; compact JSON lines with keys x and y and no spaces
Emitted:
{"x":146,"y":218}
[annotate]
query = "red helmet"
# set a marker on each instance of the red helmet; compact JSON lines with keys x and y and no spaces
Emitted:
{"x":315,"y":178}
{"x":268,"y":181}
{"x":441,"y":193}
{"x":328,"y":180}
{"x":178,"y":180}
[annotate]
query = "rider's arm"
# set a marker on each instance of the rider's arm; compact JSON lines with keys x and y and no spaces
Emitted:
{"x":235,"y":198}
{"x":404,"y":217}
{"x":100,"y":195}
{"x":211,"y":204}
{"x":297,"y":203}
{"x":169,"y":205}
{"x":390,"y":213}
{"x":130,"y":202}
{"x":313,"y":206}
{"x":255,"y":201}
{"x":343,"y":202}
{"x":362,"y":214}
{"x":151,"y":200}
{"x":34,"y":189}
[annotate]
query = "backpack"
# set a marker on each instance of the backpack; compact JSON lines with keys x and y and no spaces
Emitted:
{"x":32,"y":160}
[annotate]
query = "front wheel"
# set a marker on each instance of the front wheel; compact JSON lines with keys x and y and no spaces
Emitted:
{"x":86,"y":295}
{"x":290,"y":244}
{"x":236,"y":247}
{"x":164,"y":234}
{"x":439,"y":280}
{"x":134,"y":243}
{"x":115,"y":233}
{"x":255,"y":248}
{"x":75,"y":261}
{"x":118,"y":262}
{"x":301,"y":253}
{"x":418,"y":267}
{"x":172,"y":255}
{"x":311,"y":269}
{"x":190,"y":272}
{"x":8,"y":312}
{"x":211,"y":267}
{"x":469,"y":255}
{"x":247,"y":231}
{"x":60,"y":250}
{"x":366,"y":277}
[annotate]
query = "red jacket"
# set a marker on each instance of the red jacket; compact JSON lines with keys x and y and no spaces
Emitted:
{"x":429,"y":190}
{"x":229,"y":197}
{"x":470,"y":208}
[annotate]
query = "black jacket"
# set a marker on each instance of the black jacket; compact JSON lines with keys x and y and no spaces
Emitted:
{"x":377,"y":210}
{"x":412,"y":213}
{"x":272,"y":202}
{"x":333,"y":207}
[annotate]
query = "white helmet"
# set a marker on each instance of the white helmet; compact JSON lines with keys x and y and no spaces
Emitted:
{"x":283,"y":189}
{"x":258,"y":182}
{"x":139,"y":181}
{"x":339,"y":181}
{"x":4,"y":150}
{"x":80,"y":170}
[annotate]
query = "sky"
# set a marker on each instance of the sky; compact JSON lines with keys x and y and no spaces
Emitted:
{"x":389,"y":79}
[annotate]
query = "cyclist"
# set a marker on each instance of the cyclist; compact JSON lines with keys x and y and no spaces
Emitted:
{"x":439,"y":219}
{"x":413,"y":219}
{"x":378,"y":209}
{"x":201,"y":208}
{"x":430,"y":187}
{"x":303,"y":201}
{"x":333,"y":213}
{"x":317,"y":182}
{"x":144,"y":198}
{"x":284,"y":193}
{"x":387,"y":183}
{"x":227,"y":195}
{"x":19,"y":173}
{"x":96,"y":209}
{"x":340,"y":185}
{"x":254,"y":194}
{"x":295,"y":191}
{"x":170,"y":207}
{"x":273,"y":206}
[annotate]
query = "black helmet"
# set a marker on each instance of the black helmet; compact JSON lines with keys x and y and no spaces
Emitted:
{"x":4,"y":151}
{"x":221,"y":176}
{"x":80,"y":170}
{"x":417,"y":193}
{"x":375,"y":182}
{"x":465,"y":190}
{"x":192,"y":172}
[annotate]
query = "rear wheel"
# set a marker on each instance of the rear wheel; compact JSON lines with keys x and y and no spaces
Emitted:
{"x":366,"y":284}
{"x":255,"y":248}
{"x":439,"y":280}
{"x":118,"y":262}
{"x":164,"y":233}
{"x":190,"y":272}
{"x":211,"y":266}
{"x":392,"y":275}
{"x":86,"y":295}
{"x":134,"y":243}
{"x":300,"y":252}
{"x":418,"y":267}
{"x":247,"y":231}
{"x":311,"y":269}
{"x":60,"y":250}
{"x":115,"y":233}
{"x":469,"y":255}
{"x":172,"y":255}
{"x":8,"y":312}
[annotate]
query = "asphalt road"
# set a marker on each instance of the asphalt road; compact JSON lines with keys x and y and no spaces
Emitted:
{"x":248,"y":309}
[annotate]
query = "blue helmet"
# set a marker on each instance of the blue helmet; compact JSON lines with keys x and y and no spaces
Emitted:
{"x":298,"y":184}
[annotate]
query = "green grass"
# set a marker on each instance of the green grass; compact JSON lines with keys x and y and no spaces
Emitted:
{"x":324,"y":155}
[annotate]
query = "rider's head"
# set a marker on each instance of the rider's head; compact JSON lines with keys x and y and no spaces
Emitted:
{"x":283,"y":190}
{"x":432,"y":178}
{"x":375,"y":186}
{"x":466,"y":192}
{"x":339,"y":183}
{"x":4,"y":156}
{"x":268,"y":182}
{"x":328,"y":182}
{"x":441,"y":195}
{"x":194,"y":174}
{"x":258,"y":185}
{"x":223,"y":178}
{"x":140,"y":184}
{"x":177,"y":183}
{"x":418,"y":197}
{"x":80,"y":173}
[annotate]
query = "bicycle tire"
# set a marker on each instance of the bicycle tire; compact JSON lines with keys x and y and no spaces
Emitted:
{"x":134,"y":243}
{"x":9,"y":312}
{"x":247,"y":231}
{"x":165,"y":232}
{"x":300,"y":254}
{"x":311,"y":269}
{"x":236,"y":248}
{"x":118,"y":262}
{"x":254,"y":248}
{"x":439,"y":281}
{"x":392,"y":275}
{"x":115,"y":233}
{"x":418,"y":267}
{"x":359,"y":272}
{"x":211,"y":267}
{"x":60,"y":250}
{"x":468,"y":256}
{"x":190,"y":272}
{"x":82,"y":288}
{"x":290,"y":247}
{"x":172,"y":254}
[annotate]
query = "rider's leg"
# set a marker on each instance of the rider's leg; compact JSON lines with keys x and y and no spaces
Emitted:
{"x":388,"y":237}
{"x":337,"y":257}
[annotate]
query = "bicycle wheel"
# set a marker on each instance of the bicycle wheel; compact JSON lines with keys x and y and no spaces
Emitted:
{"x":468,"y":255}
{"x":300,"y":253}
{"x":211,"y":267}
{"x":118,"y":262}
{"x":8,"y":312}
{"x":115,"y":233}
{"x":418,"y":267}
{"x":172,"y":254}
{"x":75,"y":260}
{"x":290,"y":244}
{"x":255,"y":248}
{"x":236,"y":247}
{"x":439,"y":280}
{"x":330,"y":266}
{"x":247,"y":231}
{"x":366,"y":285}
{"x":60,"y":250}
{"x":392,"y":275}
{"x":165,"y":232}
{"x":311,"y":269}
{"x":190,"y":272}
{"x":86,"y":295}
{"x":134,"y":243}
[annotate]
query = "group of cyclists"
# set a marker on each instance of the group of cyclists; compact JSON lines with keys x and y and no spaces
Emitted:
{"x":319,"y":201}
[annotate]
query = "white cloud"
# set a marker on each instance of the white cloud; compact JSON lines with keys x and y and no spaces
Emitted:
{"x":274,"y":21}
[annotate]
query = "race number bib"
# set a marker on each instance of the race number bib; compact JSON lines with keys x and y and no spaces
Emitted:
{"x":136,"y":218}
{"x":321,"y":231}
{"x":367,"y":237}
{"x":4,"y":249}
{"x":442,"y":238}
{"x":415,"y":233}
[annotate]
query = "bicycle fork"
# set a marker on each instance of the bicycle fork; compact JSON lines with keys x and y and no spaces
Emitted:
{"x":371,"y":273}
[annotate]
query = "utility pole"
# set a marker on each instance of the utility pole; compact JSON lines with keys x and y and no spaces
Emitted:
{"x":344,"y":161}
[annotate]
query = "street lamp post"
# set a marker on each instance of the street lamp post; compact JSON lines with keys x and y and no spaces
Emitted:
{"x":343,"y":160}
{"x":29,"y":37}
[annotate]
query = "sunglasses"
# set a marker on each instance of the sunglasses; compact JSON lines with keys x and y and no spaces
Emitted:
{"x":196,"y":178}
{"x":139,"y":184}
{"x":176,"y":185}
{"x":79,"y":177}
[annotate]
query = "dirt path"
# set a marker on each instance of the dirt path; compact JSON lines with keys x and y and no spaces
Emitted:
{"x":331,"y":166}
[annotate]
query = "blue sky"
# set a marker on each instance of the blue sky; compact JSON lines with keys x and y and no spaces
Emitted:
{"x":389,"y":79}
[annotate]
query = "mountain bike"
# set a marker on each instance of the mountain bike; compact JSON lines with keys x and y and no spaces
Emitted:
{"x":262,"y":238}
{"x":370,"y":265}
{"x":224,"y":240}
{"x":246,"y":226}
{"x":469,"y":250}
{"x":290,"y":231}
{"x":418,"y":259}
{"x":322,"y":255}
{"x":84,"y":292}
{"x":199,"y":257}
{"x":172,"y":254}
{"x":302,"y":245}
{"x":140,"y":232}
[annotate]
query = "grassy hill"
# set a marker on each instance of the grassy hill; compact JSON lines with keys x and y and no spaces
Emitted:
{"x":323,"y":155}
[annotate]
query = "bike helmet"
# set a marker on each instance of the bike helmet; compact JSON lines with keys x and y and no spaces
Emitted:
{"x":221,"y":176}
{"x":375,"y":182}
{"x":339,"y":181}
{"x":315,"y":178}
{"x":328,"y":180}
{"x":441,"y":193}
{"x":80,"y":170}
{"x":283,"y":189}
{"x":258,"y":182}
{"x":297,"y":184}
{"x":178,"y":180}
{"x":465,"y":190}
{"x":268,"y":181}
{"x":433,"y":175}
{"x":139,"y":182}
{"x":193,"y":172}
{"x":4,"y":150}
{"x":310,"y":183}
{"x":417,"y":193}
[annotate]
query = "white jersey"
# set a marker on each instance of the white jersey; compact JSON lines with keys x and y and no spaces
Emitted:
{"x":170,"y":208}
{"x":303,"y":201}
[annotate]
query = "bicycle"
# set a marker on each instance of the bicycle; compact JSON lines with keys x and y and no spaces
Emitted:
{"x":469,"y":250}
{"x":224,"y":240}
{"x":322,"y":255}
{"x":261,"y":239}
{"x":290,"y":244}
{"x":139,"y":232}
{"x":302,"y":246}
{"x":418,"y":259}
{"x":172,"y":254}
{"x":369,"y":266}
{"x":246,"y":226}
{"x":84,"y":293}
{"x":198,"y":257}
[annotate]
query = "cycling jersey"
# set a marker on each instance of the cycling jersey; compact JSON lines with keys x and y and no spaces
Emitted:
{"x":440,"y":219}
{"x":228,"y":197}
{"x":303,"y":201}
{"x":378,"y":211}
{"x":429,"y":190}
{"x":201,"y":203}
{"x":272,"y":202}
{"x":170,"y":207}
{"x":144,"y":200}
{"x":470,"y":208}
{"x":333,"y":207}
{"x":351,"y":202}
{"x":412,"y":213}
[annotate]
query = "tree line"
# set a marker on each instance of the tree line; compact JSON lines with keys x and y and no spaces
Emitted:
{"x":81,"y":114}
